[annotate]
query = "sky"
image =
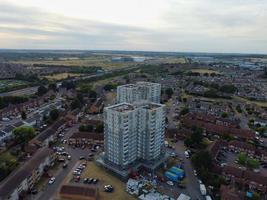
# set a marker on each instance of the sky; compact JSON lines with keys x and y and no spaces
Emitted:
{"x":222,"y":26}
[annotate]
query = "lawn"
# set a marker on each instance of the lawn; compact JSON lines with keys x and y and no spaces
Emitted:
{"x":100,"y":61}
{"x":61,"y":76}
{"x":202,"y":71}
{"x":7,"y":85}
{"x":247,"y":101}
{"x":106,"y":178}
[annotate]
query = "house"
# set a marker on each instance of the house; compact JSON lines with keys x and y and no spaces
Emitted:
{"x":208,"y":123}
{"x":242,"y":147}
{"x":45,"y":137}
{"x":78,"y":192}
{"x":253,"y":180}
{"x":229,"y":193}
{"x":87,"y":138}
{"x":97,"y":106}
{"x":26,"y":176}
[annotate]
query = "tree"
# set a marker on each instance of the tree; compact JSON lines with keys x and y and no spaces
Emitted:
{"x":99,"y":128}
{"x":224,"y":115}
{"x":184,"y":111}
{"x":68,"y":85}
{"x":41,"y":90}
{"x":238,"y":108}
{"x":197,"y":136}
{"x":54,"y":114}
{"x":86,"y":128}
{"x":75,"y":104}
{"x":169,"y":92}
{"x":228,"y":89}
{"x":23,"y":115}
{"x":109,"y":87}
{"x":23,"y":134}
{"x":202,"y":160}
{"x":52,"y":86}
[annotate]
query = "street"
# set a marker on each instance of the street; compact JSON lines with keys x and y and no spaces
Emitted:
{"x":192,"y":184}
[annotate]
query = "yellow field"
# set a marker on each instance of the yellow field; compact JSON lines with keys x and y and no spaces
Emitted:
{"x":202,"y":71}
{"x":106,"y":178}
{"x":99,"y":61}
{"x":61,"y":76}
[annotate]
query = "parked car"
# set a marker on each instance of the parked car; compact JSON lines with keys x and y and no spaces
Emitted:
{"x":108,"y":188}
{"x":52,"y":180}
{"x":65,"y":165}
{"x":82,"y":157}
{"x":170,"y":183}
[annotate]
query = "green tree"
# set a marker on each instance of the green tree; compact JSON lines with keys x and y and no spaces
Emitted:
{"x":23,"y":134}
{"x":23,"y":115}
{"x":184,"y":111}
{"x":202,"y":160}
{"x":169,"y":92}
{"x":242,"y":158}
{"x":54,"y":114}
{"x":75,"y":104}
{"x":228,"y":89}
{"x":52,"y":86}
{"x":41,"y":90}
{"x":99,"y":128}
{"x":224,"y":115}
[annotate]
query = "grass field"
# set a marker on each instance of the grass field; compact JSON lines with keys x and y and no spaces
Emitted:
{"x":7,"y":85}
{"x":60,"y":76}
{"x":202,"y":71}
{"x":259,"y":103}
{"x":106,"y":178}
{"x":100,"y":61}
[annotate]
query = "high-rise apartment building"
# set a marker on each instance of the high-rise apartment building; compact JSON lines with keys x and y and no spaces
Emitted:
{"x":131,"y":93}
{"x":134,"y":131}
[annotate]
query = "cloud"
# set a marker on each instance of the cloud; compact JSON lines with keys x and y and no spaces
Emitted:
{"x":183,"y":25}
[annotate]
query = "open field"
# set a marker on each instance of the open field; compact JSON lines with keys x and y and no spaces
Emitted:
{"x":106,"y":178}
{"x":99,"y":61}
{"x":259,"y":103}
{"x":61,"y":76}
{"x":202,"y":71}
{"x":7,"y":85}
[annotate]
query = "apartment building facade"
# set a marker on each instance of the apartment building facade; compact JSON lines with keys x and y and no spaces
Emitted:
{"x":25,"y":177}
{"x":131,"y":93}
{"x":133,"y":132}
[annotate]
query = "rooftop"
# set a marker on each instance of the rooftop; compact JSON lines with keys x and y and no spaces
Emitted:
{"x":123,"y":107}
{"x":79,"y":190}
{"x":14,"y":179}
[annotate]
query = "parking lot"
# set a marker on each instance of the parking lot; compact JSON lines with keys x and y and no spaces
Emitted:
{"x":230,"y":157}
{"x":105,"y":178}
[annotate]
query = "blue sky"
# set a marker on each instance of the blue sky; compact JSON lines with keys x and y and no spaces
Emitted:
{"x":238,"y":26}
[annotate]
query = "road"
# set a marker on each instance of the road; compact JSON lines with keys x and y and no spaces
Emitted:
{"x":20,"y":92}
{"x":192,"y":184}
